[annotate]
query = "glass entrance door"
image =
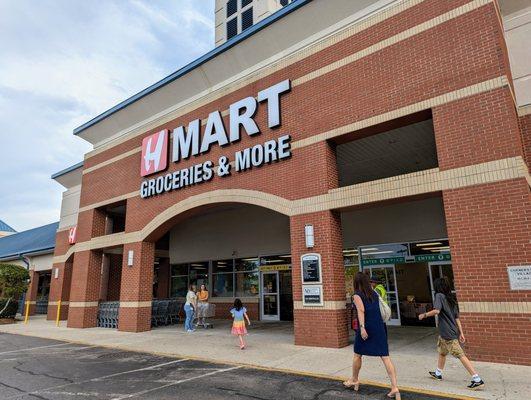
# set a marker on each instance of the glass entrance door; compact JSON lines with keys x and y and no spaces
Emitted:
{"x":438,"y":269}
{"x":270,"y":296}
{"x":386,"y":275}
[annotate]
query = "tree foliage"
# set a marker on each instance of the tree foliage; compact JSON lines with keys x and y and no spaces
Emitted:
{"x":13,"y":280}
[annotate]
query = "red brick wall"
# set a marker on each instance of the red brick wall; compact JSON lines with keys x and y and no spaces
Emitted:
{"x":525,"y":128}
{"x":332,"y":329}
{"x":85,"y":288}
{"x":115,"y":277}
{"x":488,"y":225}
{"x":137,"y":286}
{"x":163,"y":286}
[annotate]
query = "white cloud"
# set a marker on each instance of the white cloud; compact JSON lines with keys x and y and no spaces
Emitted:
{"x":63,"y":62}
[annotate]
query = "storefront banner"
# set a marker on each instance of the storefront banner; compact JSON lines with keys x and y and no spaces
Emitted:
{"x":383,"y":261}
{"x":281,"y":267}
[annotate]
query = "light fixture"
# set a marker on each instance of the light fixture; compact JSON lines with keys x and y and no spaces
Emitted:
{"x":130,"y":256}
{"x":369,"y":249}
{"x":437,"y":248}
{"x":378,"y":252}
{"x":197,"y":265}
{"x":427,"y":244}
{"x":308,"y":235}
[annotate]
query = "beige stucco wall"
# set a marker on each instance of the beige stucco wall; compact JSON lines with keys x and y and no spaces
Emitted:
{"x":70,"y":207}
{"x":401,"y":222}
{"x":242,"y":231}
{"x":41,"y":263}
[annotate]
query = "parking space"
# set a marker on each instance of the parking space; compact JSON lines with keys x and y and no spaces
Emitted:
{"x":33,"y":368}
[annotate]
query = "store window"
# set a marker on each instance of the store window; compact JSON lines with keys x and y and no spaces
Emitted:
{"x":247,"y":19}
{"x":232,"y":28}
{"x":352,"y":267}
{"x":198,"y":274}
{"x":246,"y":277}
{"x":179,"y":280}
{"x":232,"y":7}
{"x":223,"y":278}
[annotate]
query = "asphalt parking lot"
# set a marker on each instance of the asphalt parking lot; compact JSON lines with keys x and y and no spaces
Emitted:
{"x":34,"y":368}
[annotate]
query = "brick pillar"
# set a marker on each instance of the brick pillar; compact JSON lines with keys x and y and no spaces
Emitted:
{"x":85,"y":289}
{"x":320,"y":326}
{"x":31,"y":294}
{"x":60,"y":290}
{"x":136,"y":290}
{"x":163,"y":287}
{"x":489,"y":225}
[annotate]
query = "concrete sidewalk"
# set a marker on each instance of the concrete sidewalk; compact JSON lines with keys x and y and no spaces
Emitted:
{"x":270,"y":345}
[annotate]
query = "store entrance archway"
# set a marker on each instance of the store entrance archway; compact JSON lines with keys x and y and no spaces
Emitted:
{"x":237,"y":251}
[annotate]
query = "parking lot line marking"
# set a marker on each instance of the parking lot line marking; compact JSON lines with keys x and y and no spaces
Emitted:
{"x":52,"y":388}
{"x":34,"y":348}
{"x":143,"y":392}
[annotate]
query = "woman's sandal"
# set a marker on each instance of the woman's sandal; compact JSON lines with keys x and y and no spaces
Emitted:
{"x":353,"y":385}
{"x":394,"y":395}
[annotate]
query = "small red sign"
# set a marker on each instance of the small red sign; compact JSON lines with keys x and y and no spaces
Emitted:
{"x":154,"y":153}
{"x":72,"y":234}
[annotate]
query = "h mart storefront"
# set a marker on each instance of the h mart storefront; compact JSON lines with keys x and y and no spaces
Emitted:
{"x":277,"y":184}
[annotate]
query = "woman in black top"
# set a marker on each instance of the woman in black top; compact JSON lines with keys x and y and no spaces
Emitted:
{"x":450,"y":331}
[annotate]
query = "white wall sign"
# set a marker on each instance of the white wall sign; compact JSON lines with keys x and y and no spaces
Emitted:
{"x":520,"y":277}
{"x":312,"y":295}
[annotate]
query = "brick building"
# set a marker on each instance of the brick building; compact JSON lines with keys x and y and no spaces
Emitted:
{"x":388,"y":136}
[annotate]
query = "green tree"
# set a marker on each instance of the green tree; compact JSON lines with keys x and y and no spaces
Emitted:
{"x":13,"y":282}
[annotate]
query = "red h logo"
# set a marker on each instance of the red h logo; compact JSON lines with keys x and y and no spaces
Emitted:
{"x":154,"y":153}
{"x":72,"y":233}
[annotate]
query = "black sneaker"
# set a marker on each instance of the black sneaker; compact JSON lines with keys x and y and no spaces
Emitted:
{"x":435,"y":376}
{"x":476,"y":385}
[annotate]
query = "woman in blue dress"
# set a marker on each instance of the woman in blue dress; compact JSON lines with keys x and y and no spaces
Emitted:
{"x":371,"y":336}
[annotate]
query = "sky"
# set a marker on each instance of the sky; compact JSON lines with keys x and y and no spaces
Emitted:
{"x":62,"y":62}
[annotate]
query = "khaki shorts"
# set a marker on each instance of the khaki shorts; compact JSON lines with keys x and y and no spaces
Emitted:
{"x":445,"y":347}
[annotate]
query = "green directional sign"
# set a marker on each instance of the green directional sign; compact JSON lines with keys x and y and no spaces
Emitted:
{"x":383,"y":261}
{"x":433,"y":257}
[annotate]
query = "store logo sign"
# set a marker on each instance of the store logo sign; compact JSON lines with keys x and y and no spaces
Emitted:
{"x":72,"y":235}
{"x":197,"y":138}
{"x":154,"y":153}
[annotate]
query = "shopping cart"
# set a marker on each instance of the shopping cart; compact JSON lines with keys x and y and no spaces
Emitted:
{"x":204,"y":312}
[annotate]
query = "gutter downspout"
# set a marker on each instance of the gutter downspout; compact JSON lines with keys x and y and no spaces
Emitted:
{"x":21,"y":303}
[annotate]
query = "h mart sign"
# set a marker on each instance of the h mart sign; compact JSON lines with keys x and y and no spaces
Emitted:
{"x":72,"y":235}
{"x":192,"y":141}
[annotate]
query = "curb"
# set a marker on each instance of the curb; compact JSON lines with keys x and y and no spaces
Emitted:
{"x":255,"y":366}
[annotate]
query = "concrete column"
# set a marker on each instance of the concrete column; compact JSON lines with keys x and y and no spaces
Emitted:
{"x":85,"y":289}
{"x":489,"y":225}
{"x":60,"y":290}
{"x":323,"y":325}
{"x":136,"y":290}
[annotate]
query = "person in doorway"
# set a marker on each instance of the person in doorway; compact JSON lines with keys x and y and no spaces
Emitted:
{"x":371,"y":337}
{"x":239,"y":316}
{"x":450,"y":332}
{"x":189,"y":308}
{"x":202,"y":305}
{"x":379,"y":288}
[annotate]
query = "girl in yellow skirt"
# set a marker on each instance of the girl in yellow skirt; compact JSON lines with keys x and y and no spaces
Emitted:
{"x":239,"y":315}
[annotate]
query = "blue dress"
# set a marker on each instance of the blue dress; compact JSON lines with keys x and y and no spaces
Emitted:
{"x":376,"y":344}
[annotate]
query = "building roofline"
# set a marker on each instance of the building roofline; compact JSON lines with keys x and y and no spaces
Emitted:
{"x":195,"y":64}
{"x":31,"y":252}
{"x":67,"y":170}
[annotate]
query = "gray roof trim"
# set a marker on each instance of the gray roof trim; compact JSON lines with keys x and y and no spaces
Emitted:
{"x":67,"y":170}
{"x":194,"y":64}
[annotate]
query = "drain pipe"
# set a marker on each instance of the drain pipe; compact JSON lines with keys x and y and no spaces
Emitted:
{"x":25,"y":260}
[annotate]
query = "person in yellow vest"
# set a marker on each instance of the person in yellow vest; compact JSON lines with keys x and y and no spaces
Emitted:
{"x":379,"y":288}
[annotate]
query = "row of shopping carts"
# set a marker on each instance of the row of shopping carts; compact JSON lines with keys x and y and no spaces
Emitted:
{"x":163,"y":313}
